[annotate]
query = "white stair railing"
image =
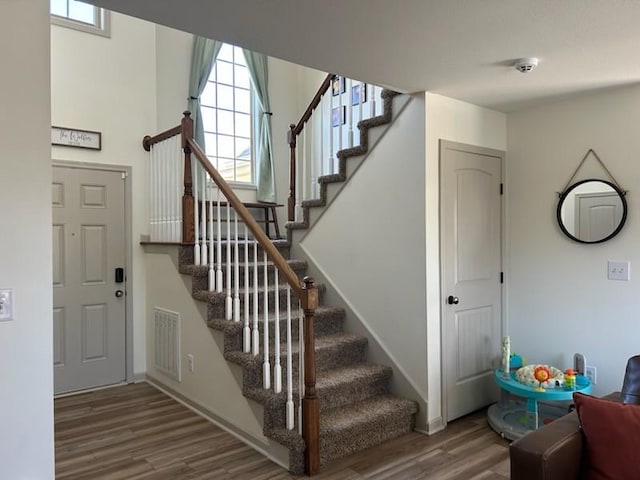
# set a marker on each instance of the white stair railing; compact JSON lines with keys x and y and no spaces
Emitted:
{"x":333,"y":128}
{"x":207,"y":213}
{"x":165,"y":190}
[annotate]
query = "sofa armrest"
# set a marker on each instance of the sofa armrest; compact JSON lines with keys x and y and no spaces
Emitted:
{"x":553,"y":452}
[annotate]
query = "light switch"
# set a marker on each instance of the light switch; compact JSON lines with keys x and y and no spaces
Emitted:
{"x":6,"y":304}
{"x":619,"y":271}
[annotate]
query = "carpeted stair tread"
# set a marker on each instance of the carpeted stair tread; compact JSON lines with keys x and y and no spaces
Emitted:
{"x":340,"y":349}
{"x":352,"y":373}
{"x":203,"y":270}
{"x":323,"y":315}
{"x":350,"y":416}
{"x":355,"y":427}
{"x":350,"y":384}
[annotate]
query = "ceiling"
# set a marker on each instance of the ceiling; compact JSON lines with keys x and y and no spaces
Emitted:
{"x":464,"y":49}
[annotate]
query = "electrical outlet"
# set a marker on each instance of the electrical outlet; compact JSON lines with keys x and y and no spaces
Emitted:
{"x":6,"y":304}
{"x":590,"y":373}
{"x":191,"y":362}
{"x":619,"y":271}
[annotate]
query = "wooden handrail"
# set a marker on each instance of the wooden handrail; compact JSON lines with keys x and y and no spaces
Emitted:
{"x":148,"y":140}
{"x":261,"y":237}
{"x":315,"y":101}
{"x":305,"y":290}
{"x":292,"y":134}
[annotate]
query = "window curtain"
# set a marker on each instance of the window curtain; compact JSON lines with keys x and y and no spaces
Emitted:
{"x":203,"y":57}
{"x":265,"y":182}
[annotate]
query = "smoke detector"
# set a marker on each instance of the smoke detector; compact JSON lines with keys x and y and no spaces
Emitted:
{"x":525,"y":65}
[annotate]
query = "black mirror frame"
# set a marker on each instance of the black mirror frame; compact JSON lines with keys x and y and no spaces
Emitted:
{"x":564,"y":194}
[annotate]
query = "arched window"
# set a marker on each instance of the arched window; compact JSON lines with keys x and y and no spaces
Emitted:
{"x":226,"y":108}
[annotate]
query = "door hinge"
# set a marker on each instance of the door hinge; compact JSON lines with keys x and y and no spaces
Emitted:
{"x":502,"y":189}
{"x":501,"y":277}
{"x":124,"y":175}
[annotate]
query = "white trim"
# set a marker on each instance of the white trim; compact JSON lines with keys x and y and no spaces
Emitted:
{"x":435,"y":426}
{"x":103,"y":30}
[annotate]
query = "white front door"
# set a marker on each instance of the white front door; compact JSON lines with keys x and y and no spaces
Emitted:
{"x":471,"y":219}
{"x":88,"y":309}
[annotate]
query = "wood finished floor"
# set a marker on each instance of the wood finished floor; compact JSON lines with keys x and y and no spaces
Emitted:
{"x":137,"y":432}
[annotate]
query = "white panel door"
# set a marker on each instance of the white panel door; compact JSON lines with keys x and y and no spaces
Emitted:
{"x":598,"y":215}
{"x":471,"y":275}
{"x":88,"y":245}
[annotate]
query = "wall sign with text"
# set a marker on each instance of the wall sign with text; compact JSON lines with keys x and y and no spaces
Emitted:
{"x":70,"y":137}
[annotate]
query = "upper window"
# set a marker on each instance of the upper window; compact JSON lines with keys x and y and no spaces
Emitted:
{"x":81,"y":16}
{"x":226,"y":107}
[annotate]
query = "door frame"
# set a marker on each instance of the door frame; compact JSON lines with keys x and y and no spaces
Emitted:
{"x":442,"y":145}
{"x":128,"y":252}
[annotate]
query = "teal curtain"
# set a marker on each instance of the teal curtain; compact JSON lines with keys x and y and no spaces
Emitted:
{"x":265,"y":181}
{"x":203,"y":57}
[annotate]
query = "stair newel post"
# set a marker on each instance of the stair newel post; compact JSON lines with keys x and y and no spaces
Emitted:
{"x":188,"y":227}
{"x":310,"y":403}
{"x":291,"y":140}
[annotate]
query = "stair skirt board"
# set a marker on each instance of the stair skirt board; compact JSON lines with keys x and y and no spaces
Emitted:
{"x":166,"y":337}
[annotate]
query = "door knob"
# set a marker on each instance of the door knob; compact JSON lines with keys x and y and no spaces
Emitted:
{"x":453,"y":300}
{"x":119,"y":293}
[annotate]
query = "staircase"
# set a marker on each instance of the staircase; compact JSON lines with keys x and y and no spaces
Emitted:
{"x":357,"y":408}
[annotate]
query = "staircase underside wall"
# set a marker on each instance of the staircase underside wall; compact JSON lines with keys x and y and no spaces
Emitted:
{"x":369,"y":247}
{"x":215,"y":385}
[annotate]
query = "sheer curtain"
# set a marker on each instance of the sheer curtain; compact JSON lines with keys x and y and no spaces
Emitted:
{"x":203,"y":57}
{"x":257,"y":64}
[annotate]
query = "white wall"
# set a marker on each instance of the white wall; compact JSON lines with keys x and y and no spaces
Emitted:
{"x":26,"y":376}
{"x":372,"y":251}
{"x":109,"y":85}
{"x":462,"y":122}
{"x":215,"y":385}
{"x":560,"y":301}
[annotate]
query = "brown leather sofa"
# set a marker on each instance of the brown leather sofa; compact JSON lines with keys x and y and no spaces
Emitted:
{"x":554,"y":452}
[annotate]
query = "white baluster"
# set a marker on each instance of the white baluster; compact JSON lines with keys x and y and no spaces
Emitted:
{"x":305,"y":167}
{"x":277,"y":368}
{"x":266,"y":366}
{"x":246,"y":331}
{"x":331,"y":152}
{"x":177,"y":233}
{"x":219,"y":276}
{"x":349,"y":113}
{"x":196,"y":246}
{"x":203,"y":246}
{"x":236,"y":271}
{"x":229,"y":302}
{"x":152,"y":195}
{"x":372,"y":106}
{"x":300,"y":365}
{"x":361,"y":97}
{"x":256,"y":332}
{"x":212,"y":273}
{"x":290,"y":412}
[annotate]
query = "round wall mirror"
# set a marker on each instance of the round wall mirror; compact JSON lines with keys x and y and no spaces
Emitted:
{"x":592,"y":211}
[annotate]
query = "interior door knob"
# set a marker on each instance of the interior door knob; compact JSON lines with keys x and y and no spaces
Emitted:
{"x":453,"y":300}
{"x":119,"y":293}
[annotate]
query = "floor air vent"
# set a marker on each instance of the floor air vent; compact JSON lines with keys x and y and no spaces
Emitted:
{"x":167,"y":342}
